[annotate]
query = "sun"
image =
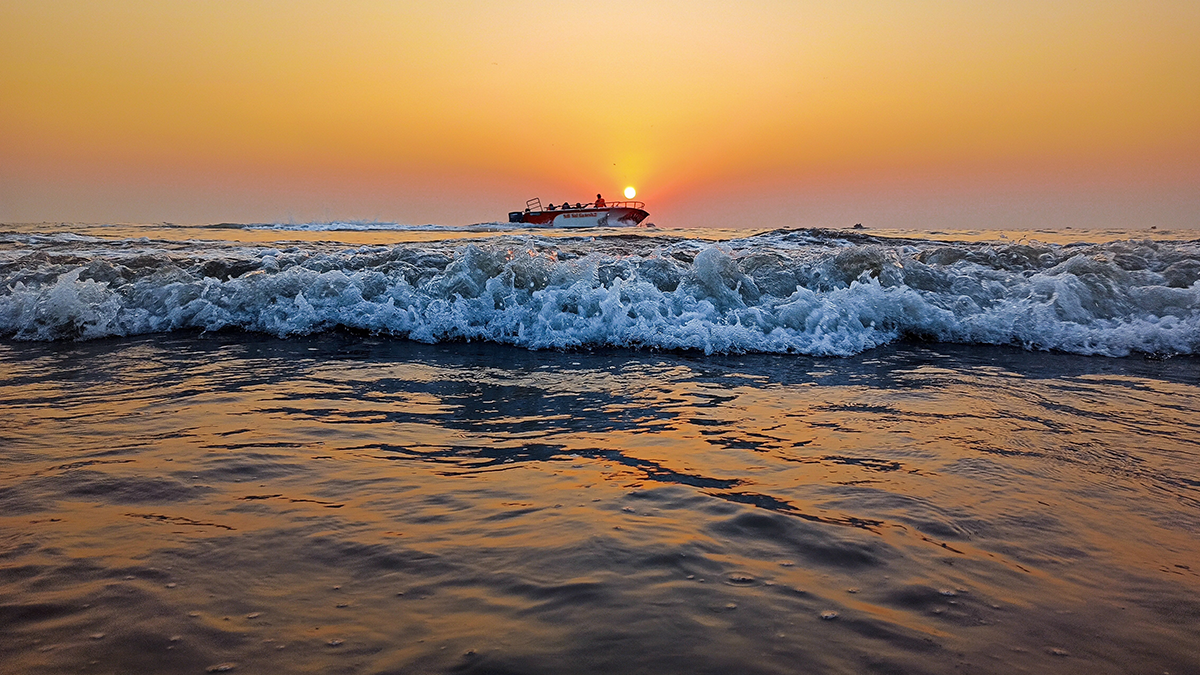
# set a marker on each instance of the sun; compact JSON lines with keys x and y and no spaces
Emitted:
{"x":630,"y":193}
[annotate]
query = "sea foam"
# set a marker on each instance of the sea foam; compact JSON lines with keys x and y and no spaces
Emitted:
{"x":805,"y":291}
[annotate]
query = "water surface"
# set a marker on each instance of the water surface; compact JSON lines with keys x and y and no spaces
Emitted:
{"x":348,"y":503}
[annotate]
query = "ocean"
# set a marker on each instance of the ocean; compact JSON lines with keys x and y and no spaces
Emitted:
{"x":362,"y":447}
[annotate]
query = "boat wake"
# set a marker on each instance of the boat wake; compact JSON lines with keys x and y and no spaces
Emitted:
{"x":376,"y":226}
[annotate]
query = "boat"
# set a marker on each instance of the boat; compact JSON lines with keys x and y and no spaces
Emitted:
{"x":611,"y":214}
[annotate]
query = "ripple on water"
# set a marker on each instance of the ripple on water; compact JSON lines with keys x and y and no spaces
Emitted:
{"x":773,"y":535}
{"x":740,"y":579}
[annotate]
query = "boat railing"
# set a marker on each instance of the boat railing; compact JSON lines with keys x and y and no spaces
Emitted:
{"x":535,"y":204}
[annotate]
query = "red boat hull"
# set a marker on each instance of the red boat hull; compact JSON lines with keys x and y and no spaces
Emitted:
{"x":608,"y":216}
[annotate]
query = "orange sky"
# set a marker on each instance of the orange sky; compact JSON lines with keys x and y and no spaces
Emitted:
{"x":1004,"y":114}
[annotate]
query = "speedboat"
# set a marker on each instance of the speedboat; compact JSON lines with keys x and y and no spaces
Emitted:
{"x":610,"y":214}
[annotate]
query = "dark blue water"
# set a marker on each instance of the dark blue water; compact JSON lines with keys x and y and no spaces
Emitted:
{"x":180,"y":502}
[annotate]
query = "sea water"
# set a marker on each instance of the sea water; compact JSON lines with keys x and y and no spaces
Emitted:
{"x":371,"y":449}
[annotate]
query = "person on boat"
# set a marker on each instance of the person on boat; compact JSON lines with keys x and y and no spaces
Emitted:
{"x":599,"y":202}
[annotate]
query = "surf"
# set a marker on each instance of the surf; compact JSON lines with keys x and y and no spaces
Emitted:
{"x":816,"y":292}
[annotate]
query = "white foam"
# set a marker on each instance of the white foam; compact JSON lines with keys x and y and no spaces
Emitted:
{"x":374,"y":225}
{"x":785,"y":292}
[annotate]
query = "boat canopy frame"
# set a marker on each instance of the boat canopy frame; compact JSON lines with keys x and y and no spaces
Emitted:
{"x":535,"y":205}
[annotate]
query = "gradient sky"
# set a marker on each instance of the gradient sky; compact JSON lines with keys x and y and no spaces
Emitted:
{"x":755,"y":114}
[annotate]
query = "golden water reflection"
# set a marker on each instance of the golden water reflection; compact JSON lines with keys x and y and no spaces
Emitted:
{"x":369,"y":505}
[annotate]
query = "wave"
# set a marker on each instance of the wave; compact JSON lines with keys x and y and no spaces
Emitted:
{"x":374,"y":225}
{"x":805,"y":291}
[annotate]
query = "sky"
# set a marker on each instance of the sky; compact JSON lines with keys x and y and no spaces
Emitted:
{"x":925,"y":113}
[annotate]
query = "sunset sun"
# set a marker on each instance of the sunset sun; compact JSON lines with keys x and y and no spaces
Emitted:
{"x":630,"y":193}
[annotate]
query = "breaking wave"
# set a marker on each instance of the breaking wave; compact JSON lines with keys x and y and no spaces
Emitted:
{"x":375,"y":226}
{"x":803,"y":291}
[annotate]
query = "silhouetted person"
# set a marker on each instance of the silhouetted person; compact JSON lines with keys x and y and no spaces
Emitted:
{"x":599,"y":202}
